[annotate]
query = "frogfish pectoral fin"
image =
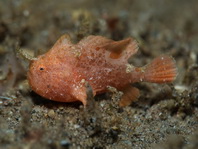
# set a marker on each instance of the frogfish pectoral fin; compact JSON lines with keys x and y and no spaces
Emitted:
{"x":84,"y":93}
{"x":79,"y":93}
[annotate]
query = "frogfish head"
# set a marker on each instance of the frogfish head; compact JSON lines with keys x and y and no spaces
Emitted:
{"x":38,"y":74}
{"x":51,"y":79}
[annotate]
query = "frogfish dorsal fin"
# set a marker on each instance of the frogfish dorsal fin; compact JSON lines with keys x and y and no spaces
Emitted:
{"x":64,"y":39}
{"x":123,"y":48}
{"x":114,"y":50}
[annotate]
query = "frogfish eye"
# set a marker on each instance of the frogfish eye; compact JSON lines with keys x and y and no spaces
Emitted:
{"x":41,"y":68}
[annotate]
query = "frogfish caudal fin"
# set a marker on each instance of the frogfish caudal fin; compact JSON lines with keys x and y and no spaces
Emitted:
{"x":161,"y":70}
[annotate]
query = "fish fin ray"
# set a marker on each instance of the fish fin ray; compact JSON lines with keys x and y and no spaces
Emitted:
{"x":116,"y":49}
{"x":121,"y":49}
{"x":161,"y":70}
{"x":130,"y":94}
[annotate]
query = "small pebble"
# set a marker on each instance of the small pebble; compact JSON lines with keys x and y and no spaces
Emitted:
{"x":51,"y":113}
{"x":76,"y":126}
{"x":65,"y":143}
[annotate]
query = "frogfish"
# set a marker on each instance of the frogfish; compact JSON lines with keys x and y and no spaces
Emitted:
{"x":60,"y":74}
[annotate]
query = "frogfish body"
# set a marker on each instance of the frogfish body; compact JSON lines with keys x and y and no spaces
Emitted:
{"x":61,"y":73}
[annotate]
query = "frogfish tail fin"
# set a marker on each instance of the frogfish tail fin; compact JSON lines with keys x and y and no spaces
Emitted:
{"x":161,"y":70}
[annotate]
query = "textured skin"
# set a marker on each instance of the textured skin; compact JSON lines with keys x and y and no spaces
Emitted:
{"x":60,"y":74}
